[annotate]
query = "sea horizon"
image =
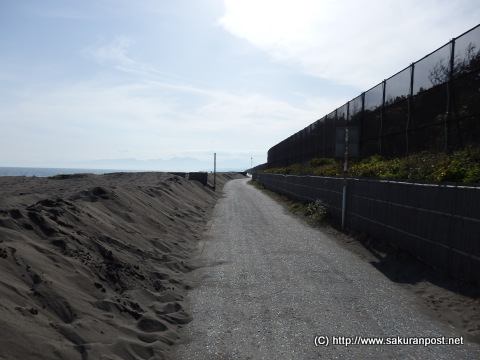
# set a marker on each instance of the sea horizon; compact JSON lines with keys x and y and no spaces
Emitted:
{"x":47,"y":171}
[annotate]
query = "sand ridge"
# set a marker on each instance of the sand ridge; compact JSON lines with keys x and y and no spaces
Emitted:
{"x":94,"y":266}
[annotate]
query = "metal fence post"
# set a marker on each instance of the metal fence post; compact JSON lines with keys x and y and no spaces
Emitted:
{"x":381,"y":116}
{"x":345,"y":180}
{"x":345,"y":169}
{"x":410,"y":105}
{"x":360,"y":127}
{"x":324,"y":136}
{"x":449,"y":93}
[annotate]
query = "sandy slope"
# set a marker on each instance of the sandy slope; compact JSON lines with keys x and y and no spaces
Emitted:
{"x":93,"y":266}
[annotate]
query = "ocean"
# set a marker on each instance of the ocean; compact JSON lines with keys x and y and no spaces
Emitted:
{"x":46,"y":172}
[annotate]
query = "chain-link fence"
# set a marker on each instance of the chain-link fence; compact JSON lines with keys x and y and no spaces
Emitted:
{"x":434,"y":104}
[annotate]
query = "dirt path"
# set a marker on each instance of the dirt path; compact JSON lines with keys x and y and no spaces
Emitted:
{"x":268,"y":286}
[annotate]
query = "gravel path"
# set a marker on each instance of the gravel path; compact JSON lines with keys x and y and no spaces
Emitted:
{"x":269,"y":284}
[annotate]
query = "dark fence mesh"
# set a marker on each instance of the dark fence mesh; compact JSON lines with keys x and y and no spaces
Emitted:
{"x":434,"y":104}
{"x":439,"y":224}
{"x":330,"y":134}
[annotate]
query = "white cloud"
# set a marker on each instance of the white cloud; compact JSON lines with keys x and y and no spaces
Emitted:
{"x":171,"y":83}
{"x":138,"y":110}
{"x":198,"y":108}
{"x":351,"y":42}
{"x":113,"y":52}
{"x":148,"y":119}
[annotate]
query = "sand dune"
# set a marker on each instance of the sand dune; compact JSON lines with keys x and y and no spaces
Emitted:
{"x":94,"y":266}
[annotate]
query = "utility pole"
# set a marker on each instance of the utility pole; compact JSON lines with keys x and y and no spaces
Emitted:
{"x":214,"y":170}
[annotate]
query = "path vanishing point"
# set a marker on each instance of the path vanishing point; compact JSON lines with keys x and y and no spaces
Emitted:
{"x":271,"y":287}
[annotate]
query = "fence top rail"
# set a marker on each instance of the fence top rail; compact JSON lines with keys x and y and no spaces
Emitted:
{"x":414,"y":62}
{"x":393,"y":181}
{"x":421,"y":183}
{"x":466,"y":32}
{"x":304,"y":176}
{"x":424,"y":57}
{"x":337,"y":113}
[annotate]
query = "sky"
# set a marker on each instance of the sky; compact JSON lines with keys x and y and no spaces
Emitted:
{"x":165,"y":84}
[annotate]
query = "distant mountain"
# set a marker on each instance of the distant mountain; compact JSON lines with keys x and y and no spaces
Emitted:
{"x":175,"y":164}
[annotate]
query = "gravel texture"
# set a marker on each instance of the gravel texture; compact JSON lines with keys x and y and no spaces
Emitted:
{"x":267,"y":285}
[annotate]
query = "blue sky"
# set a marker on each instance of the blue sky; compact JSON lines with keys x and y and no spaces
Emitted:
{"x":85,"y":80}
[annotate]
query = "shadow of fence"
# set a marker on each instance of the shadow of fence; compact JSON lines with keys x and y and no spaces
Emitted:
{"x":437,"y":223}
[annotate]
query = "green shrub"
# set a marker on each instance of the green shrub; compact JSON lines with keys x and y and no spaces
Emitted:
{"x":315,"y":213}
{"x":329,"y":168}
{"x":460,"y":166}
{"x":374,"y":166}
